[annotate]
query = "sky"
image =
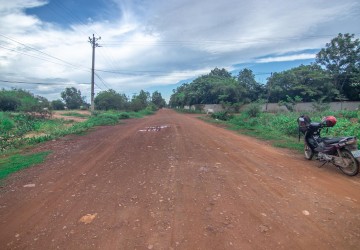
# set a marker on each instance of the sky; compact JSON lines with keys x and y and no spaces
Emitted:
{"x":160,"y":44}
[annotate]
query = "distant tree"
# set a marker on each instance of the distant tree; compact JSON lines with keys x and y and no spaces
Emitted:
{"x":220,"y":72}
{"x":140,"y":101}
{"x":110,"y":99}
{"x":22,"y":100}
{"x":178,"y":97}
{"x":57,"y":105}
{"x":157,"y":99}
{"x":290,"y":102}
{"x":309,"y":82}
{"x":8,"y":102}
{"x":216,"y":87}
{"x":72,"y":98}
{"x":341,"y":57}
{"x":252,"y":89}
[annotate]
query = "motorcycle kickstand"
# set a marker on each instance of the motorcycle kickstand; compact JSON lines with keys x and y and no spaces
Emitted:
{"x":322,"y":164}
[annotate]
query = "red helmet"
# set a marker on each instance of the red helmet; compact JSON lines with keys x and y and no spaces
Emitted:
{"x":329,"y":121}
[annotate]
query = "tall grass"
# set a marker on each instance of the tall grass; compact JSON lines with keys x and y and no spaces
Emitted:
{"x":282,"y":128}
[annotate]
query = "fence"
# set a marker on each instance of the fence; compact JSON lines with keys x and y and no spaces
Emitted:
{"x":274,"y":107}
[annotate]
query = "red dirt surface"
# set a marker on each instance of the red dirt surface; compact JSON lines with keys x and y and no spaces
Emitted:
{"x":185,"y":185}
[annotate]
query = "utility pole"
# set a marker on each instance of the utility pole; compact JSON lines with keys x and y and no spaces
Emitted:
{"x":268,"y":97}
{"x":94,"y":44}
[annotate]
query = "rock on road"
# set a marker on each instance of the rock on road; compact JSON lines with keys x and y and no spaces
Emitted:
{"x":172,"y":181}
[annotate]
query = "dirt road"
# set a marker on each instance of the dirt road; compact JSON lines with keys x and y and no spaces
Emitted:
{"x":183,"y":185}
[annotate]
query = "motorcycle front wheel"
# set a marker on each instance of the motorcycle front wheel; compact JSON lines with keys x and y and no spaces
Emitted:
{"x":353,"y":165}
{"x":308,"y":152}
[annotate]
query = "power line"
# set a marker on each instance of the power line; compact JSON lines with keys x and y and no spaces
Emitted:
{"x":74,"y":16}
{"x":33,"y":56}
{"x":32,"y":48}
{"x":102,"y":80}
{"x":36,"y":83}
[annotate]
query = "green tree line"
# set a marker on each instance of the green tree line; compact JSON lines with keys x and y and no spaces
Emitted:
{"x":24,"y":101}
{"x":335,"y":76}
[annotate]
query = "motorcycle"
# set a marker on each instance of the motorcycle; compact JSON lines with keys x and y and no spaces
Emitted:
{"x":340,"y":151}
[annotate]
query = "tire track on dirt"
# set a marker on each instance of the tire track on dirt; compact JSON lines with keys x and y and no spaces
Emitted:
{"x":190,"y":185}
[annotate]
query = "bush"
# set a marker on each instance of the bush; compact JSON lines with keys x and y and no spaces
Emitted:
{"x":124,"y":116}
{"x":104,"y":119}
{"x":57,"y":105}
{"x":9,"y":103}
{"x":222,"y":115}
{"x":6,"y":124}
{"x":152,"y":107}
{"x":253,"y":110}
{"x":320,"y":106}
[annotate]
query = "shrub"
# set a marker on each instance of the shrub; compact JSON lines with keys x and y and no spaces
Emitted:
{"x":124,"y":116}
{"x":8,"y":103}
{"x":253,"y":110}
{"x":57,"y":105}
{"x":222,"y":115}
{"x":320,"y":105}
{"x":6,"y":124}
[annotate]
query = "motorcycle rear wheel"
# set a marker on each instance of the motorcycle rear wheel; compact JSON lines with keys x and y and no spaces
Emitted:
{"x":308,"y":152}
{"x":353,"y":168}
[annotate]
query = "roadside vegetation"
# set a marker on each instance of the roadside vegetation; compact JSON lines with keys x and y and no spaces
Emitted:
{"x":281,"y":129}
{"x":26,"y":119}
{"x":335,"y":76}
{"x":17,"y":162}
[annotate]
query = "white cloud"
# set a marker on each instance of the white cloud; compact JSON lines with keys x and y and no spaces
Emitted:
{"x":286,"y":58}
{"x":162,"y":42}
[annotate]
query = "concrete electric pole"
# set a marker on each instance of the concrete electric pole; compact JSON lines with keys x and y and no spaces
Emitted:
{"x":94,"y":44}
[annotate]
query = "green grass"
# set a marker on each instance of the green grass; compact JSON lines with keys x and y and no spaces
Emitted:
{"x":75,"y":114}
{"x":16,"y":125}
{"x":281,"y":128}
{"x":17,"y":162}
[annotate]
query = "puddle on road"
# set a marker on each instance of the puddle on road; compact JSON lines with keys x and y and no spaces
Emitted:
{"x":154,"y":128}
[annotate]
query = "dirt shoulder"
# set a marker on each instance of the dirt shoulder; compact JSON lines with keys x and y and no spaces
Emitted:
{"x":172,"y":181}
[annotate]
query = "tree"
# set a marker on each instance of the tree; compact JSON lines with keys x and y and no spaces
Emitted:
{"x":110,"y":99}
{"x":220,"y":72}
{"x":309,"y":82}
{"x":8,"y":103}
{"x":157,"y":99}
{"x":57,"y":105}
{"x":252,"y":89}
{"x":140,"y":101}
{"x":72,"y":98}
{"x":216,"y":87}
{"x":178,"y":98}
{"x":22,"y":100}
{"x":341,"y":58}
{"x":290,"y":103}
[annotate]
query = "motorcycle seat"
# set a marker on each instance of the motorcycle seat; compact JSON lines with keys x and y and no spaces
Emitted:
{"x":336,"y":139}
{"x":315,"y":125}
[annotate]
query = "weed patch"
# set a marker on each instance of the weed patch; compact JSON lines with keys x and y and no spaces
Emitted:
{"x":75,"y":114}
{"x":14,"y":163}
{"x":281,"y":129}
